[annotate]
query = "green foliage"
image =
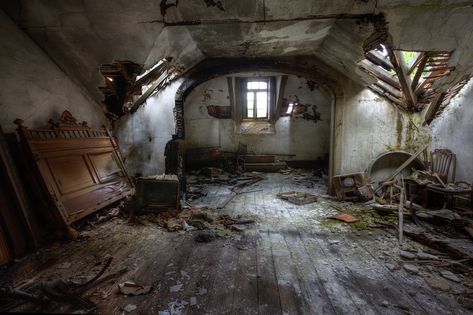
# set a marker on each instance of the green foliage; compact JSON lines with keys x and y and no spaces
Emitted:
{"x":409,"y":57}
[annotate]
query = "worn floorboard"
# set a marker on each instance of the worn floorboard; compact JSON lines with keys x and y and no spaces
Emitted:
{"x":291,"y":261}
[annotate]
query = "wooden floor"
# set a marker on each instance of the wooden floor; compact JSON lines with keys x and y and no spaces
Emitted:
{"x":291,"y":262}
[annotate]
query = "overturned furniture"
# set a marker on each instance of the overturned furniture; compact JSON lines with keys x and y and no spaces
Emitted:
{"x":79,"y":169}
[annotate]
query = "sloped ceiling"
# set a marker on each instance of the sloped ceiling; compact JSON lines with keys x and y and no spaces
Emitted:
{"x":80,"y":35}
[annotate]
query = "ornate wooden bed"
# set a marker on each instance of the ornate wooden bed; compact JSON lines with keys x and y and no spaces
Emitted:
{"x":80,"y":168}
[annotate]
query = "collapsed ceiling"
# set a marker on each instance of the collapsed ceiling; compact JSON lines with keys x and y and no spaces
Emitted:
{"x":80,"y":36}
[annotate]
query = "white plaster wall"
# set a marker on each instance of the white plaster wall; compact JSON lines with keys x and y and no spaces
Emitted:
{"x":143,"y":135}
{"x":370,"y":126}
{"x":34,"y":88}
{"x":307,"y":140}
{"x":454,"y":129}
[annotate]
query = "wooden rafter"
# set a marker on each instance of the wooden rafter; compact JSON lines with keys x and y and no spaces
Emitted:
{"x":397,"y":59}
{"x":433,"y":108}
{"x":419,"y":58}
{"x":419,"y":71}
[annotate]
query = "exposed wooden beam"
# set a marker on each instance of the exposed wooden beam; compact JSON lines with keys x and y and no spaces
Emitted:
{"x":397,"y":59}
{"x":148,"y":92}
{"x":419,"y":58}
{"x":419,"y":71}
{"x":376,"y":72}
{"x":433,"y":108}
{"x":378,"y":59}
{"x":149,"y":77}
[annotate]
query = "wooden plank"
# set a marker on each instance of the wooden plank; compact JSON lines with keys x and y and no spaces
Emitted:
{"x":288,"y":284}
{"x":313,"y":291}
{"x":222,"y":275}
{"x":370,"y":68}
{"x":377,"y":280}
{"x":418,"y":60}
{"x":397,"y":59}
{"x":336,"y":289}
{"x":268,"y":291}
{"x":148,"y":92}
{"x":265,"y":167}
{"x":404,"y":287}
{"x":433,"y":108}
{"x":258,"y":158}
{"x":246,"y":283}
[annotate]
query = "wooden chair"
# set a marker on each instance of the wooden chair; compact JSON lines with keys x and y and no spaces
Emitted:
{"x":441,"y":161}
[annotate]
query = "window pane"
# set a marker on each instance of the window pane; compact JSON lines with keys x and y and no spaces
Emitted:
{"x":261,"y":99}
{"x":257,"y":85}
{"x":261,"y":113}
{"x":250,"y":96}
{"x":261,"y":96}
{"x":249,"y":113}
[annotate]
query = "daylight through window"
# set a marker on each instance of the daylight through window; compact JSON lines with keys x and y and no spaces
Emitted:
{"x":257,"y":99}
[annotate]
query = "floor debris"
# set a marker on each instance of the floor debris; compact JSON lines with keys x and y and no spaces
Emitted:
{"x":129,"y":308}
{"x":348,"y":218}
{"x":131,"y":288}
{"x":298,"y":198}
{"x":205,"y":236}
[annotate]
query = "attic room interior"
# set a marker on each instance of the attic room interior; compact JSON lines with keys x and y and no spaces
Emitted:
{"x":236,"y":157}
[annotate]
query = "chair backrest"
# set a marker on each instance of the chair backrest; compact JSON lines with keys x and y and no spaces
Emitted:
{"x":441,"y":162}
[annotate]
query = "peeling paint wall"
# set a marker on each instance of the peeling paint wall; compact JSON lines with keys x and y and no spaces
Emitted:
{"x":34,"y":88}
{"x":298,"y":138}
{"x":454,"y":129}
{"x":142,"y":136}
{"x":371,"y":125}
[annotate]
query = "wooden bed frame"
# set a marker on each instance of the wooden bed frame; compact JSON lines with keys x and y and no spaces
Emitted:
{"x":80,"y":168}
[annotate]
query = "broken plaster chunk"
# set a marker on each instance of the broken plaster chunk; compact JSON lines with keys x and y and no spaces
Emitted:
{"x":131,"y":288}
{"x":385,"y":303}
{"x":129,"y":308}
{"x":185,"y":275}
{"x":175,"y":288}
{"x":202,"y":291}
{"x":407,"y":255}
{"x":164,"y":313}
{"x":411,"y":268}
{"x":449,"y":275}
{"x":193,"y":301}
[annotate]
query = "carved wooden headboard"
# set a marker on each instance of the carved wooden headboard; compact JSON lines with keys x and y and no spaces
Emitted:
{"x":81,"y":168}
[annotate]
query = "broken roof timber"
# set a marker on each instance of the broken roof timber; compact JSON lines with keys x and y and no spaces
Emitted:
{"x":399,"y":64}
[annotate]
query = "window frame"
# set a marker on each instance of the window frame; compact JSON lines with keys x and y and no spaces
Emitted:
{"x":247,"y":90}
{"x":241,"y":98}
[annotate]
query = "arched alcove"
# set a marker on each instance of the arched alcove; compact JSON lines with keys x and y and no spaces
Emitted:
{"x":217,"y":68}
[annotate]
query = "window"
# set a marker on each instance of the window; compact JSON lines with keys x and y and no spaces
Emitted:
{"x":257,"y":99}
